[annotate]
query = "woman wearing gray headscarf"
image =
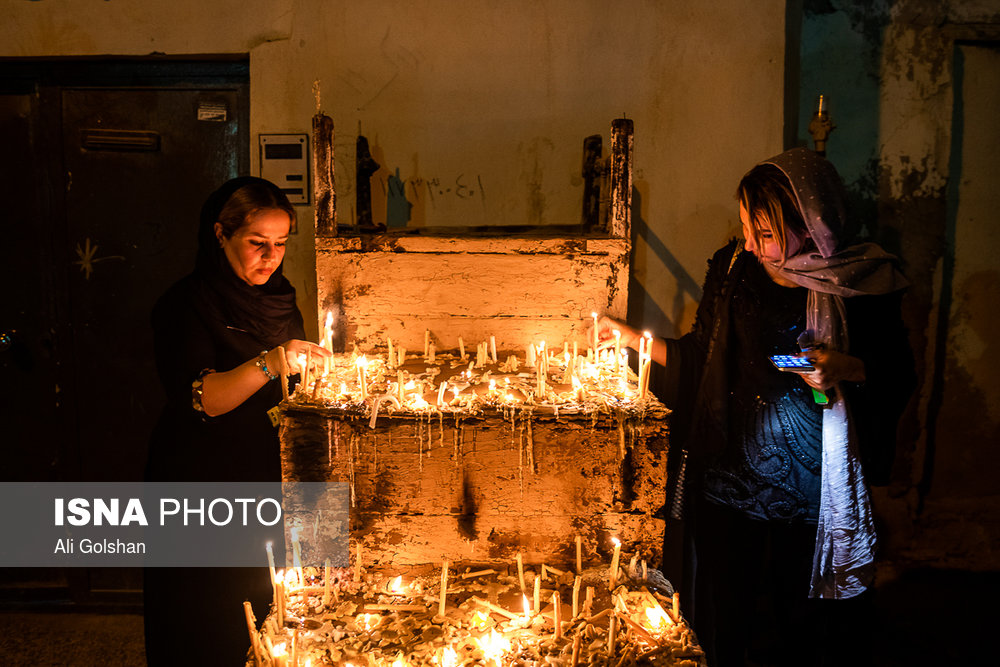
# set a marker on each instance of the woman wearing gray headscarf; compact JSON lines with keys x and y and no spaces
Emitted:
{"x":780,"y":546}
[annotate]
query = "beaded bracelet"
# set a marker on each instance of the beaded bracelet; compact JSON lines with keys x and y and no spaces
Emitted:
{"x":262,"y":365}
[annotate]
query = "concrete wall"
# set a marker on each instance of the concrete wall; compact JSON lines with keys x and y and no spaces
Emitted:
{"x":490,"y":100}
{"x":914,"y":124}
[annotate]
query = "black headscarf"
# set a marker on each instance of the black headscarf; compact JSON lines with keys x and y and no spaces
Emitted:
{"x":267,"y":312}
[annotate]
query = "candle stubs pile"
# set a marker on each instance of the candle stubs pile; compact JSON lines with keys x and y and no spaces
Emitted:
{"x":539,"y":379}
{"x":476,"y":616}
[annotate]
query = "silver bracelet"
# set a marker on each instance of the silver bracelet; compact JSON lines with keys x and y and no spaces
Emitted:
{"x":262,"y":365}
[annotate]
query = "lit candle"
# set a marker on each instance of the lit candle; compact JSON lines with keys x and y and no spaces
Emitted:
{"x":618,"y":343}
{"x":444,"y":587}
{"x":613,"y":573}
{"x":328,"y":331}
{"x":644,"y":376}
{"x":441,"y":390}
{"x":527,"y":607}
{"x":279,"y":600}
{"x":362,"y":364}
{"x":279,"y":655}
{"x":579,"y":554}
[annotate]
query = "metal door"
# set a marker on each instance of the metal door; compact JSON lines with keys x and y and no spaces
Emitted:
{"x":107,"y":167}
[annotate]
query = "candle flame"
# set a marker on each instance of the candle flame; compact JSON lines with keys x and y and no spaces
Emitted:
{"x":279,"y":650}
{"x":527,"y":607}
{"x":399,"y":662}
{"x":410,"y":385}
{"x":343,"y":389}
{"x":368,"y":620}
{"x":397,"y":585}
{"x":658,"y":619}
{"x":647,"y":334}
{"x":362,"y":361}
{"x":616,"y":333}
{"x":481,"y":619}
{"x":494,"y":646}
{"x":449,"y":658}
{"x":617,"y":542}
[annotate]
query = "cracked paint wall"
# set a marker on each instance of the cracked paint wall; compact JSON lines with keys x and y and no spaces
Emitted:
{"x":908,"y":130}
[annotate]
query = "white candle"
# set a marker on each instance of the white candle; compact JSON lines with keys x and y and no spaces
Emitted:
{"x":557,"y":614}
{"x":579,"y":555}
{"x":618,"y":342}
{"x":391,"y":354}
{"x":613,"y":573}
{"x":401,"y":356}
{"x":538,"y":593}
{"x":461,"y":347}
{"x":576,"y":596}
{"x":427,"y":341}
{"x":529,"y":357}
{"x":444,"y":587}
{"x":270,"y":561}
{"x":441,"y":389}
{"x":520,"y":570}
{"x":433,"y":353}
{"x":326,"y":583}
{"x":493,"y":348}
{"x":594,"y":315}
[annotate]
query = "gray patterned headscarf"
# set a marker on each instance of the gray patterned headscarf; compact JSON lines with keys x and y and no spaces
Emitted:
{"x":838,"y":267}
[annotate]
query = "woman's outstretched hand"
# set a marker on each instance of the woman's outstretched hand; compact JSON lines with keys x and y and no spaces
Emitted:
{"x":606,"y":326}
{"x":297,"y":350}
{"x":832,"y":367}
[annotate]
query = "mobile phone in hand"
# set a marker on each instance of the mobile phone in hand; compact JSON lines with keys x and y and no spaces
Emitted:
{"x":791,"y":363}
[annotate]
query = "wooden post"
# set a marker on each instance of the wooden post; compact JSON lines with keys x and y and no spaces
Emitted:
{"x":620,"y":222}
{"x":324,"y":193}
{"x":592,"y":177}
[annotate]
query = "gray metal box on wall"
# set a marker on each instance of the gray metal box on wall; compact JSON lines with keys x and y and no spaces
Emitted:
{"x":284,"y":160}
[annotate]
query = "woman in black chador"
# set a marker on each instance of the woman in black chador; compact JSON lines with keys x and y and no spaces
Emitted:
{"x":216,"y":335}
{"x":780,"y":547}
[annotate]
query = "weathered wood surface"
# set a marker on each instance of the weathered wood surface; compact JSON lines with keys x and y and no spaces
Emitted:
{"x":324,"y":193}
{"x":484,"y":488}
{"x":520,"y":290}
{"x":620,"y":219}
